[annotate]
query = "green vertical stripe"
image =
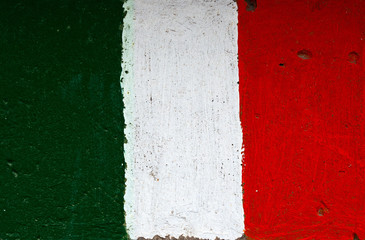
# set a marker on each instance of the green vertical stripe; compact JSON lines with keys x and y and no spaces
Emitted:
{"x":61,"y":122}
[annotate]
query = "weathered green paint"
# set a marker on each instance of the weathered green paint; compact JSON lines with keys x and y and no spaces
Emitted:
{"x":61,"y":156}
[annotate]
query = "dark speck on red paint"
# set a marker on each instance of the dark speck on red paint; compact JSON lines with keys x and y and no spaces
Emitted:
{"x":356,"y":237}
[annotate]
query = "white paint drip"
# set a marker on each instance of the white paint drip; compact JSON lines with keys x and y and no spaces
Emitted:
{"x":182,"y":113}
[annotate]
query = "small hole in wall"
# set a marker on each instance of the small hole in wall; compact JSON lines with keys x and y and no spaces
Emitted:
{"x":353,"y":57}
{"x":322,"y":211}
{"x":304,"y":54}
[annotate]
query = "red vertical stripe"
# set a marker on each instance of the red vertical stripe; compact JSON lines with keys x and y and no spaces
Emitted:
{"x":301,"y":66}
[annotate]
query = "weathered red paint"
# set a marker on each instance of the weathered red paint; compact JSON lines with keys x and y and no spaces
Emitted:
{"x":303,"y":118}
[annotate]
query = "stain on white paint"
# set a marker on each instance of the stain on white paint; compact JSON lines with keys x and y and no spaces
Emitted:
{"x":181,"y":101}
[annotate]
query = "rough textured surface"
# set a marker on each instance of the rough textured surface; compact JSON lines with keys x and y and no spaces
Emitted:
{"x":302,"y":86}
{"x":61,"y":120}
{"x":182,"y":115}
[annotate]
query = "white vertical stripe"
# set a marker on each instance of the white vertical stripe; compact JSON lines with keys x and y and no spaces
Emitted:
{"x":182,"y":114}
{"x":127,"y":85}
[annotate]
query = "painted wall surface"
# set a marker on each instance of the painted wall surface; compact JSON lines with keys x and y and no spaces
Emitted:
{"x":183,"y":150}
{"x":61,"y":137}
{"x":301,"y":81}
{"x":302,"y":94}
